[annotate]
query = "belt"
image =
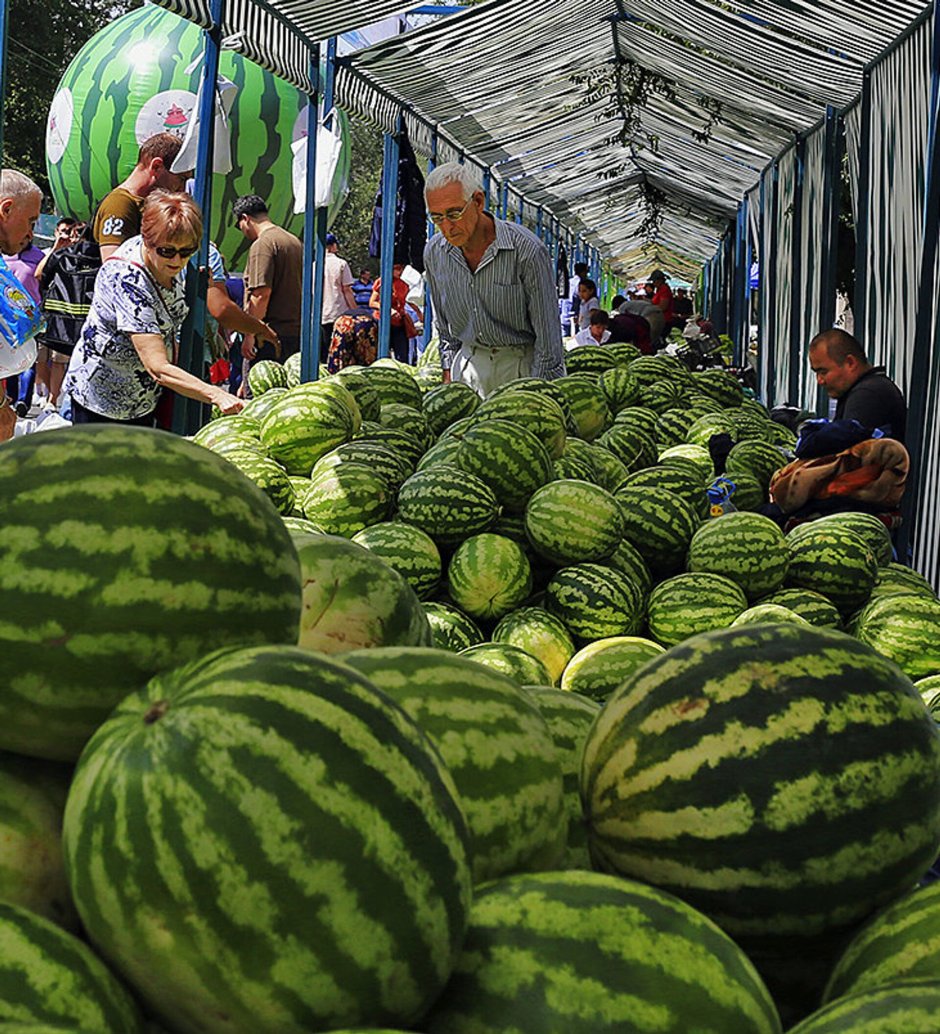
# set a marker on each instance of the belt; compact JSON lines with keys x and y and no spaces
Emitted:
{"x":493,"y":350}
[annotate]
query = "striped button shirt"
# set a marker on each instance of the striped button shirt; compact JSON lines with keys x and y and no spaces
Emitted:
{"x":509,"y":299}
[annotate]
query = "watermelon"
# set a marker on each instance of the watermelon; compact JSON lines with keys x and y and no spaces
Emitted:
{"x":408,"y":448}
{"x":257,"y":408}
{"x":362,"y":390}
{"x":760,"y":459}
{"x":441,"y":454}
{"x":276,"y":793}
{"x":301,"y":526}
{"x":597,"y":669}
{"x":536,"y":411}
{"x":488,"y":576}
{"x":908,"y":1009}
{"x":32,"y":875}
{"x":264,"y":375}
{"x":407,"y":550}
{"x":50,"y":978}
{"x":904,"y":628}
{"x":496,"y":745}
{"x":508,"y":458}
{"x":659,"y":523}
{"x":704,"y":428}
{"x":632,"y":445}
{"x":682,"y":482}
{"x":587,"y":404}
{"x":352,"y":599}
{"x":832,"y":560}
{"x":266,"y":474}
{"x":609,"y":471}
{"x":689,"y":603}
{"x":346,"y":498}
{"x":540,"y":634}
{"x":125,"y":552}
{"x":573,"y":521}
{"x":900,"y":944}
{"x":626,"y":559}
{"x":748,"y":493}
{"x":780,"y":435}
{"x":585,"y":953}
{"x":588,"y":359}
{"x":393,"y":385}
{"x":808,"y":604}
{"x":723,"y":387}
{"x":661,"y":396}
{"x":620,"y":388}
{"x":623,"y":352}
{"x":292,"y":369}
{"x":595,"y":601}
{"x":447,"y":404}
{"x":761,"y":613}
{"x":688,"y":456}
{"x":451,"y":629}
{"x":305,"y":423}
{"x":447,"y":503}
{"x":672,"y":427}
{"x":407,"y":420}
{"x":648,"y":369}
{"x":237,"y":424}
{"x":783,"y":779}
{"x":393,"y":466}
{"x":569,"y":717}
{"x":512,"y":526}
{"x":574,"y":465}
{"x":524,"y":668}
{"x":897,"y":578}
{"x":871,"y":529}
{"x":748,"y":548}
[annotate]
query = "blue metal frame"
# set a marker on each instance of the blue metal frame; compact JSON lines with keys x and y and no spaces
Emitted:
{"x":739,"y":275}
{"x":771,"y":281}
{"x":860,"y":302}
{"x":487,"y":185}
{"x":387,"y":253}
{"x":428,"y":310}
{"x":188,"y":414}
{"x":796,"y":267}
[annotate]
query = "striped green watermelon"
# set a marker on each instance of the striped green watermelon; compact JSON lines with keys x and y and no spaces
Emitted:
{"x":808,"y":604}
{"x":569,"y":717}
{"x":748,"y":548}
{"x":262,"y":840}
{"x":620,"y":388}
{"x":648,"y":369}
{"x":346,"y":498}
{"x":761,"y":613}
{"x":570,"y":522}
{"x":304,"y":424}
{"x":672,"y":427}
{"x":683,"y":482}
{"x":688,"y":604}
{"x":292,"y":369}
{"x":609,"y":471}
{"x":632,"y":445}
{"x":872,"y":530}
{"x":904,"y":628}
{"x":409,"y":421}
{"x":904,"y":1009}
{"x":575,"y":464}
{"x":595,"y":601}
{"x":264,"y":375}
{"x":832,"y":560}
{"x":623,"y":352}
{"x":510,"y":459}
{"x":393,"y":385}
{"x":659,"y":523}
{"x":587,"y":404}
{"x":685,"y":455}
{"x":451,"y":629}
{"x":760,"y":459}
{"x":706,"y":427}
{"x":407,"y":550}
{"x":588,"y":359}
{"x":449,"y":403}
{"x":583,"y":953}
{"x":749,"y":494}
{"x":720,"y":385}
{"x":524,"y":668}
{"x":897,"y":578}
{"x":512,"y":526}
{"x":441,"y":454}
{"x":540,"y":634}
{"x":408,"y":448}
{"x":640,"y":417}
{"x":447,"y":503}
{"x":362,"y":390}
{"x":533,"y":410}
{"x":256,"y":409}
{"x":626,"y":559}
{"x":237,"y":424}
{"x":900,"y":944}
{"x":700,"y":404}
{"x":597,"y":669}
{"x":393,"y":467}
{"x":50,"y":978}
{"x":353,"y":599}
{"x":661,"y":396}
{"x":488,"y":576}
{"x":266,"y":474}
{"x":32,"y":799}
{"x":301,"y":526}
{"x":125,"y":552}
{"x":783,"y":779}
{"x":780,"y":435}
{"x":496,"y":745}
{"x":929,"y":689}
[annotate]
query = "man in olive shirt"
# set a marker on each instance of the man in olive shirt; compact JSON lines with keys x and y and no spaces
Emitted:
{"x":118,"y":215}
{"x":273,"y":277}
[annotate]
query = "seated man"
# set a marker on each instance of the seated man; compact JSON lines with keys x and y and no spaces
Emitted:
{"x":596,"y":332}
{"x":629,"y":327}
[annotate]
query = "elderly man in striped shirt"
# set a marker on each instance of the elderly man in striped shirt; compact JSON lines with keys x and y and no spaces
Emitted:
{"x":492,"y":286}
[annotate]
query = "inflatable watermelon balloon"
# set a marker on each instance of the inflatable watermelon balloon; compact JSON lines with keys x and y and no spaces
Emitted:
{"x":140,"y":76}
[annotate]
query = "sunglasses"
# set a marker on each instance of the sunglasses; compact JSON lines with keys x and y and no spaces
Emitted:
{"x":169,"y":253}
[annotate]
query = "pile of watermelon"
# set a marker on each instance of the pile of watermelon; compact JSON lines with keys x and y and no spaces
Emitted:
{"x":380,"y":707}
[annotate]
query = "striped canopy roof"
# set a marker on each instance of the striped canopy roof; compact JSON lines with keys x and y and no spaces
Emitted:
{"x":529,"y":90}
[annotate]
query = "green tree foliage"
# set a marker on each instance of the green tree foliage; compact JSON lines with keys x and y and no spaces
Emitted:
{"x":354,"y":223}
{"x":44,"y":36}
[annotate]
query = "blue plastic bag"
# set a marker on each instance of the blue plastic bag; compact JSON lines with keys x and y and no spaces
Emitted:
{"x":20,"y":321}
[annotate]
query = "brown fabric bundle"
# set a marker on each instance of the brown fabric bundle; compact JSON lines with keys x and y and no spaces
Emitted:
{"x":873,"y":471}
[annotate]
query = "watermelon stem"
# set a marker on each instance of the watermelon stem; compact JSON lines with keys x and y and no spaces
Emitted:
{"x":156,"y":712}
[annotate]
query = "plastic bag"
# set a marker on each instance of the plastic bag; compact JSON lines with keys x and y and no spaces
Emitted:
{"x":329,"y":148}
{"x":20,"y":322}
{"x":719,"y":494}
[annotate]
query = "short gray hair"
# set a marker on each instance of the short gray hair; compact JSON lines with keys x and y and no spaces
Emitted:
{"x":17,"y":186}
{"x":453,"y":172}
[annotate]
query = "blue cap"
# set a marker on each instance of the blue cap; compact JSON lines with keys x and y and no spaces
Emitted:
{"x":331,"y":240}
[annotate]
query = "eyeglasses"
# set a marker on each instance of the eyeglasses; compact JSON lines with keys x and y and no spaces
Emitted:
{"x":452,"y":215}
{"x":169,"y":253}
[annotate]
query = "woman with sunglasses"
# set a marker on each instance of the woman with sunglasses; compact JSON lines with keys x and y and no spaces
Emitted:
{"x":127,"y":350}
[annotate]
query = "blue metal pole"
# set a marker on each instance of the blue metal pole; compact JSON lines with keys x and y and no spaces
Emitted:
{"x":796,"y":285}
{"x":311,"y":298}
{"x":504,"y":201}
{"x":188,"y":414}
{"x":519,"y":210}
{"x":428,"y":311}
{"x":389,"y":196}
